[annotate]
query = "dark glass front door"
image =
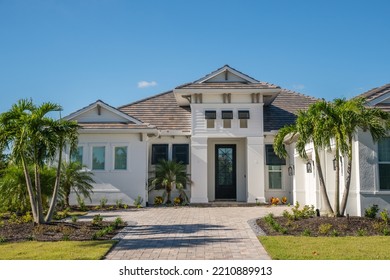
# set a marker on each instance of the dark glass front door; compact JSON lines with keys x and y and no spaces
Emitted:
{"x":225,"y":171}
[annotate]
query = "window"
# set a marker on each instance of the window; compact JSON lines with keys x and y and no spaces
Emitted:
{"x":384,"y":163}
{"x":272,"y":158}
{"x":77,"y":155}
{"x":275,"y":177}
{"x":180,"y":153}
{"x":98,"y":158}
{"x":120,"y":161}
{"x":159,"y":152}
{"x":243,"y":116}
{"x":227,"y":117}
{"x":210,"y":117}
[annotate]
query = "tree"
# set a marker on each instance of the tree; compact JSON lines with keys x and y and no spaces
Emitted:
{"x":35,"y":139}
{"x":338,"y":121}
{"x":74,"y":178}
{"x":350,"y":116}
{"x":308,"y":128}
{"x":169,"y":174}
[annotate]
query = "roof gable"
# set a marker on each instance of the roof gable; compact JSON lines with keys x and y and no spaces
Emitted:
{"x":100,"y":112}
{"x":226,"y":74}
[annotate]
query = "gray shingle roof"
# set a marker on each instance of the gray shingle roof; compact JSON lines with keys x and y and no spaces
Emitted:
{"x":376,"y":93}
{"x":161,"y":111}
{"x":283,"y":110}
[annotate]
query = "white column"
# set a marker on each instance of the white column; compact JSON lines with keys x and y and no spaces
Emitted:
{"x":199,"y":170}
{"x":255,"y":169}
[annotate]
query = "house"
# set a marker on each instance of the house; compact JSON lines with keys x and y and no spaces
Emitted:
{"x":221,"y":127}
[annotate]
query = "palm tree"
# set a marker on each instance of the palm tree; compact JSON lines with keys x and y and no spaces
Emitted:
{"x":33,"y":139}
{"x":169,"y":174}
{"x":75,"y":178}
{"x":308,"y":128}
{"x":351,"y":116}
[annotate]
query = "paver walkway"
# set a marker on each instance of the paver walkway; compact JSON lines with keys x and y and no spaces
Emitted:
{"x":190,"y":233}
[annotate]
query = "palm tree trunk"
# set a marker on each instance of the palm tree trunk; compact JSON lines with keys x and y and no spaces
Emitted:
{"x":30,"y":190}
{"x":337,"y":185}
{"x":39,"y":194}
{"x":328,"y":207}
{"x":53,"y":202}
{"x":347,"y":180}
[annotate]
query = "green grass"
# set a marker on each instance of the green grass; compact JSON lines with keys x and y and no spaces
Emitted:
{"x":61,"y":250}
{"x":327,"y":248}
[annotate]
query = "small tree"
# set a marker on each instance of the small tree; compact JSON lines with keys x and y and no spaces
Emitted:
{"x":169,"y":174}
{"x":75,"y":178}
{"x":33,"y":139}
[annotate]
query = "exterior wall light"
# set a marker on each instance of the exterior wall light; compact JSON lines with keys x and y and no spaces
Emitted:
{"x":309,"y":167}
{"x":291,"y":170}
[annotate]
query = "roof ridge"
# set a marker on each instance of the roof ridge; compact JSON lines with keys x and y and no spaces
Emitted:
{"x":144,"y":99}
{"x":219,"y":69}
{"x":300,"y":94}
{"x":372,"y":91}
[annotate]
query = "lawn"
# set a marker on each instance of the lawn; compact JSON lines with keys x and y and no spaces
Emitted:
{"x":327,"y":248}
{"x":60,"y":250}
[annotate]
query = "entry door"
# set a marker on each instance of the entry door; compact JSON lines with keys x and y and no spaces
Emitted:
{"x":225,"y":172}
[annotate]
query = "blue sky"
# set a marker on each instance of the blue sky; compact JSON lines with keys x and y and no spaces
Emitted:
{"x":75,"y":52}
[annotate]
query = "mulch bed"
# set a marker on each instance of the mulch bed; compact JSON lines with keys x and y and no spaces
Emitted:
{"x":56,"y":231}
{"x":316,"y":226}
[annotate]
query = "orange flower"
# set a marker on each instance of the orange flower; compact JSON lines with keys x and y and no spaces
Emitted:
{"x":284,"y":200}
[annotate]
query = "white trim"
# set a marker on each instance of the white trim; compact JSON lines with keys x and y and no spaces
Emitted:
{"x":105,"y":106}
{"x":223,"y":69}
{"x":120,"y":145}
{"x":379,"y":99}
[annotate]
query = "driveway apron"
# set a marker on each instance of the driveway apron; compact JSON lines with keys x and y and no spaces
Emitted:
{"x":191,"y":233}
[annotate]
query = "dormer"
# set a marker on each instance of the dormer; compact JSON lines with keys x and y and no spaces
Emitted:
{"x":226,"y":85}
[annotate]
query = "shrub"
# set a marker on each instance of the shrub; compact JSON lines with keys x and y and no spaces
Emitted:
{"x":118,"y":222}
{"x":74,"y":219}
{"x":97,"y":220}
{"x":2,"y":239}
{"x":274,"y":200}
{"x":27,"y":218}
{"x":103,"y":202}
{"x":138,"y":202}
{"x":386,"y":231}
{"x":274,"y":224}
{"x":304,"y":213}
{"x":306,"y":232}
{"x":158,"y":200}
{"x":119,"y":203}
{"x":177,"y":200}
{"x":324,"y":228}
{"x":371,"y":212}
{"x":81,"y":203}
{"x":384,"y":216}
{"x":335,"y":233}
{"x":361,"y":232}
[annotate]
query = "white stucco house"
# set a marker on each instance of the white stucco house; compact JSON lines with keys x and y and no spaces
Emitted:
{"x":222,"y":127}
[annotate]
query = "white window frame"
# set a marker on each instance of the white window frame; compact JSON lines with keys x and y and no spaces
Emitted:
{"x":97,"y":145}
{"x":120,"y":145}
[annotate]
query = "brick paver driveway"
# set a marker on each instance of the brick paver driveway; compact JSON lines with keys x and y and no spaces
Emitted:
{"x":190,"y":233}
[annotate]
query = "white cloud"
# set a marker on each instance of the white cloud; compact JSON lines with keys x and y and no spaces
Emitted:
{"x":298,"y":87}
{"x":145,"y":84}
